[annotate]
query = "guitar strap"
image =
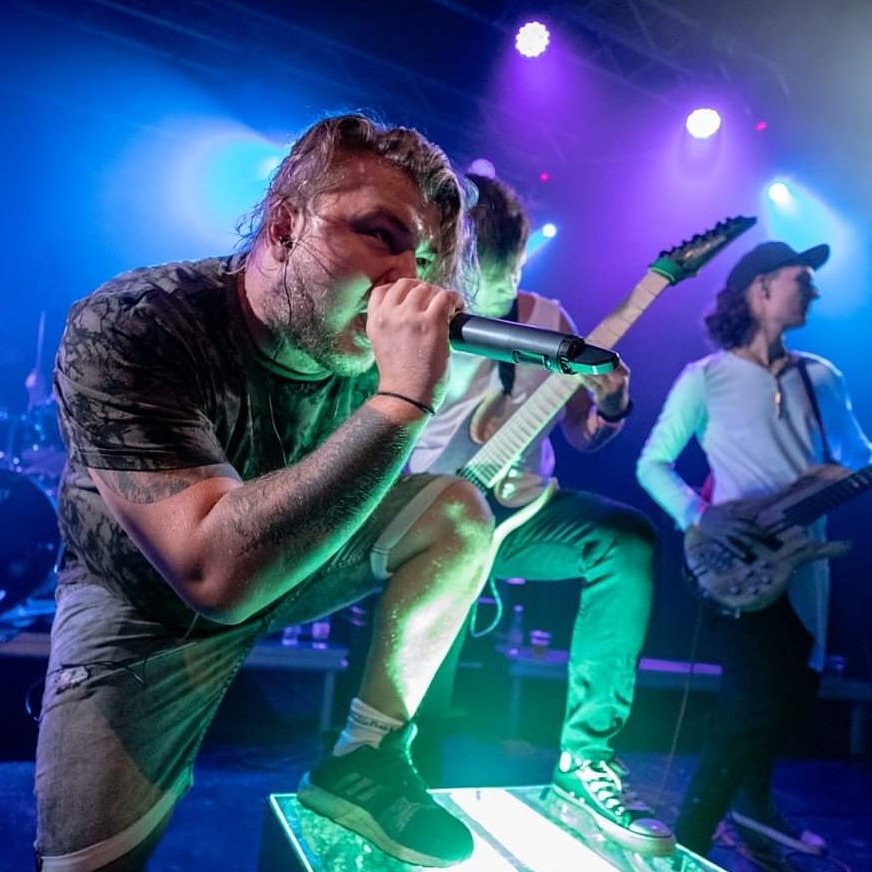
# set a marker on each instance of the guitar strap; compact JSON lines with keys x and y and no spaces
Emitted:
{"x":507,"y":370}
{"x":812,"y":398}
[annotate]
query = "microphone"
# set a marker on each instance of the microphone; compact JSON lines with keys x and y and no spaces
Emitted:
{"x":520,"y":343}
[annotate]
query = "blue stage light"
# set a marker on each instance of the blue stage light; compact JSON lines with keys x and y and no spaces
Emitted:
{"x":779,"y":192}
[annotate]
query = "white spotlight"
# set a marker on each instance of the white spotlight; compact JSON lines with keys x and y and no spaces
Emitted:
{"x":779,"y":193}
{"x":703,"y":123}
{"x":532,"y":39}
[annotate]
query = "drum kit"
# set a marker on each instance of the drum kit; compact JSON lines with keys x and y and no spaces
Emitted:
{"x":32,"y":458}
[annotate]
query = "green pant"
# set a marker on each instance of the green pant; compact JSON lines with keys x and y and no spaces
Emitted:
{"x":610,"y":547}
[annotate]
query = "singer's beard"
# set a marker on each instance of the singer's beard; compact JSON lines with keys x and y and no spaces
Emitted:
{"x":304,"y":316}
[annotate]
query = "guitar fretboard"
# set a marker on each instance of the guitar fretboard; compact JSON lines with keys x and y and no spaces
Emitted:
{"x":491,"y":462}
{"x":827,"y":498}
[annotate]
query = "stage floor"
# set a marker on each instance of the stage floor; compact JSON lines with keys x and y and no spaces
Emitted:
{"x":528,"y":829}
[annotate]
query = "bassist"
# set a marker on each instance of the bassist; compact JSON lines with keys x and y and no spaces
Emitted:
{"x":763,"y":416}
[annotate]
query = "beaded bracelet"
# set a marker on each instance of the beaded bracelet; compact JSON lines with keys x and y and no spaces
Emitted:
{"x":418,"y":405}
{"x":613,"y":419}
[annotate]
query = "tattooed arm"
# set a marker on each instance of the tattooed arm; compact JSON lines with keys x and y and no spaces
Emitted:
{"x":230,"y":548}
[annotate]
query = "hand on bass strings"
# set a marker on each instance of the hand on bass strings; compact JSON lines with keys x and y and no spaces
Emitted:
{"x":731,"y":525}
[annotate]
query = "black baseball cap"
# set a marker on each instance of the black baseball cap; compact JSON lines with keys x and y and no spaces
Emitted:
{"x":771,"y":256}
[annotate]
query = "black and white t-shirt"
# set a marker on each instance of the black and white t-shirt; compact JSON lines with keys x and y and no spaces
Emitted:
{"x":156,"y":371}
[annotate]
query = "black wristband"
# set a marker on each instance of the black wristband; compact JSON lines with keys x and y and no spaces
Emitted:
{"x":418,"y":405}
{"x":613,"y":419}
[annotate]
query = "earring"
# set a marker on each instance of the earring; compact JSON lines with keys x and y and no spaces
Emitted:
{"x":286,"y":241}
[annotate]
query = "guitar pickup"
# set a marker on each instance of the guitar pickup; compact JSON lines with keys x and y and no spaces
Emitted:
{"x":747,"y":554}
{"x":770,"y":540}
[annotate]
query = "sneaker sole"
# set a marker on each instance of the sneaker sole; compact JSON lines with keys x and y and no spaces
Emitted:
{"x":774,"y":835}
{"x":360,"y":821}
{"x":649,"y":846}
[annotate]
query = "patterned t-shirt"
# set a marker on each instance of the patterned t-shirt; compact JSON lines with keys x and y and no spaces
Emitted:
{"x":156,"y":371}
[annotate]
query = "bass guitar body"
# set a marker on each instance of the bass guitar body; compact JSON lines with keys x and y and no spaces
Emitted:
{"x":751,"y":575}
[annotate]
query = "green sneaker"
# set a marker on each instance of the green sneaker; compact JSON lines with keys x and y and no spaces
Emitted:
{"x":598,"y":787}
{"x":378,"y":793}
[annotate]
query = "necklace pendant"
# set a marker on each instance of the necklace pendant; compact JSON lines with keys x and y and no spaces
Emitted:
{"x":778,"y":405}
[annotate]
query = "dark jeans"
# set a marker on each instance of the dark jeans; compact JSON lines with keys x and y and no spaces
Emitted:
{"x":766,"y":691}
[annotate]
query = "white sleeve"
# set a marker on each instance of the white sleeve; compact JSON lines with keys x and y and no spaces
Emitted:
{"x":684,"y":416}
{"x":848,"y":443}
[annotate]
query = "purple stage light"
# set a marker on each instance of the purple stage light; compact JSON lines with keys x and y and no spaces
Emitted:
{"x":532,"y":39}
{"x":481,"y":166}
{"x":549,"y":230}
{"x":703,"y":123}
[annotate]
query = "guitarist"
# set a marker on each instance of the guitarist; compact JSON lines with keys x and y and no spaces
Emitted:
{"x":574,"y":535}
{"x":763,"y":415}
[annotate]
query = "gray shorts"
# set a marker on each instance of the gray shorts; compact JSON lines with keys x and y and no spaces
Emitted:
{"x":126,"y":706}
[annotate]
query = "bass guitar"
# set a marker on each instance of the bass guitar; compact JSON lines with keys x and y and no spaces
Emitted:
{"x":749,"y":576}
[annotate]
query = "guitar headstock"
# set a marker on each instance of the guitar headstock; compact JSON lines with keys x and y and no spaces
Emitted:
{"x":687,"y":259}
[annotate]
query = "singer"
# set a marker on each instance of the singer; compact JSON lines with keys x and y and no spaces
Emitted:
{"x":607,"y":546}
{"x":233,"y":467}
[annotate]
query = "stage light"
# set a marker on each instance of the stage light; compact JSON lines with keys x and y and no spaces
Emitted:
{"x":532,"y":39}
{"x":481,"y":166}
{"x":792,"y":210}
{"x":779,"y":193}
{"x":703,"y":123}
{"x":539,"y":238}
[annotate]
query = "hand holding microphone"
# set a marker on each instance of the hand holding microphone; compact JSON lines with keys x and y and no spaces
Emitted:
{"x":411,"y":324}
{"x":407,"y":323}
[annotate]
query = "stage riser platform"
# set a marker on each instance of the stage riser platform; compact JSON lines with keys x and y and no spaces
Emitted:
{"x":519,"y":829}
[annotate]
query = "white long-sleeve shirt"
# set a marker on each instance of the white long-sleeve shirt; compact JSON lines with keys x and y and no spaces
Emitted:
{"x":754,"y":446}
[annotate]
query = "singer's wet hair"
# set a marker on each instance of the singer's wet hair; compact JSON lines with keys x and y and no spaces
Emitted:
{"x":313,"y":165}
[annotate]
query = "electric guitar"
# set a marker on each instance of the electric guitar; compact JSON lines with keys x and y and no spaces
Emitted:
{"x":750,"y":577}
{"x":487,"y":465}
